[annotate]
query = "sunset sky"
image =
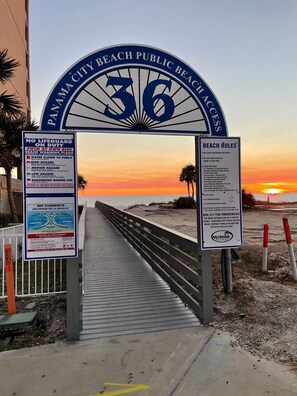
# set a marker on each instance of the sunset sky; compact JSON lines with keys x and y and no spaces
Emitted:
{"x":244,"y":50}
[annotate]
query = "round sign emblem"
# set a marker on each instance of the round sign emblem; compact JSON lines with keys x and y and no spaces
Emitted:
{"x":133,"y":89}
{"x":222,"y":236}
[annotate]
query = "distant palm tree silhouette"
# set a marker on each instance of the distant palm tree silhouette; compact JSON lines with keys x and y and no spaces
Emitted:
{"x":81,"y":182}
{"x":188,"y":174}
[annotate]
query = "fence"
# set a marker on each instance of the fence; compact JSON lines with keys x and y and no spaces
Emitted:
{"x":174,"y":256}
{"x":16,"y":244}
{"x":32,"y":277}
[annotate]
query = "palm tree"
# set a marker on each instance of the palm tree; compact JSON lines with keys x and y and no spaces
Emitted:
{"x":11,"y":150}
{"x":81,"y":182}
{"x":12,"y":122}
{"x":9,"y":103}
{"x":248,"y":200}
{"x":188,"y":174}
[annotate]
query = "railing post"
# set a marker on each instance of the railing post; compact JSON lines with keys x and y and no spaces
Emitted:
{"x":74,"y":297}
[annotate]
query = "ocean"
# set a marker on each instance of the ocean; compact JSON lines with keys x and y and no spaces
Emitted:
{"x":124,"y":201}
{"x":277,"y":198}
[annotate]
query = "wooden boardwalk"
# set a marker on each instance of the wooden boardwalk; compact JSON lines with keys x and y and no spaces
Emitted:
{"x":123,"y":295}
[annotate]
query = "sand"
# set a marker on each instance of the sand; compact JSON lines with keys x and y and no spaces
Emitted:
{"x":184,"y":220}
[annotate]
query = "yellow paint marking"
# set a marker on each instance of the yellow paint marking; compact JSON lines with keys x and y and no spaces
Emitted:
{"x":127,"y":389}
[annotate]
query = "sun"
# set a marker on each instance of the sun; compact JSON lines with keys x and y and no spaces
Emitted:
{"x":273,"y":191}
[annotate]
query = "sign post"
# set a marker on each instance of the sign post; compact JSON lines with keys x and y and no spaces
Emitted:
{"x":50,"y":195}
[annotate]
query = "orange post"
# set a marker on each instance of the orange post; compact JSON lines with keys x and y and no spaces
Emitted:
{"x":290,"y":246}
{"x":265,"y":236}
{"x":287,"y":230}
{"x":265,"y":248}
{"x":9,"y":279}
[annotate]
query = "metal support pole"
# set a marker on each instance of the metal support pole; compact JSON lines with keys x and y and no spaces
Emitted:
{"x":206,"y":264}
{"x":74,"y":297}
{"x":229,"y":286}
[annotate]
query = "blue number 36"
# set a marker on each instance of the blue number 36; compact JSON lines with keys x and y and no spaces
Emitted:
{"x":149,"y":99}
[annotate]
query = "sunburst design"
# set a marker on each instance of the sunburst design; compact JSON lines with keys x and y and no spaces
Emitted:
{"x":99,"y":105}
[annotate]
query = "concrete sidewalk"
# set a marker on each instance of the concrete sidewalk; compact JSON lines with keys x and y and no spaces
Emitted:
{"x":186,"y":362}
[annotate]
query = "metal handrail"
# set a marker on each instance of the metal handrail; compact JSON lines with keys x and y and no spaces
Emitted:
{"x":174,"y":256}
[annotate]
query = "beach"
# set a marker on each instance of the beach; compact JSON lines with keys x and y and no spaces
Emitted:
{"x":184,"y":220}
{"x":261,"y":312}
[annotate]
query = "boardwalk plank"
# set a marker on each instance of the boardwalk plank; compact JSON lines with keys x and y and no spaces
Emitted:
{"x":122,"y":294}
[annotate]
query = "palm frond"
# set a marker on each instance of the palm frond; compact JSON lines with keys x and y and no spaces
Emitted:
{"x":11,"y":138}
{"x":10,"y":104}
{"x":7,"y":66}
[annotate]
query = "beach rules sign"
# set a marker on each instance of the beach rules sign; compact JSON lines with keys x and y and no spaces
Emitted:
{"x":220,"y":203}
{"x":50,"y":195}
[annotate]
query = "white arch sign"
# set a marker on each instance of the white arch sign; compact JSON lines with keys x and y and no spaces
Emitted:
{"x":133,"y":89}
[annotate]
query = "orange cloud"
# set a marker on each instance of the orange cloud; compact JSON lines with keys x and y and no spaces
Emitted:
{"x":257,"y":178}
{"x":147,"y":166}
{"x":137,"y":185}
